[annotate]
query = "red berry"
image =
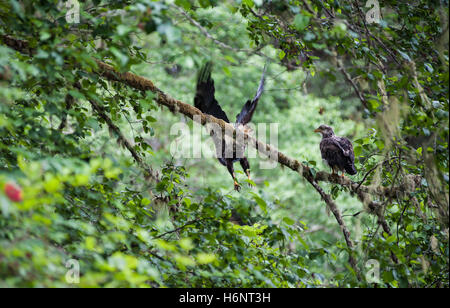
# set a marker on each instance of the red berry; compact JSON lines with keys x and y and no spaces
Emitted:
{"x":13,"y":192}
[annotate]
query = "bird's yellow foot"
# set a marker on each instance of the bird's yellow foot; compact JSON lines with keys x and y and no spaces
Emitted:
{"x":250,"y":182}
{"x":237,"y":187}
{"x":335,"y":174}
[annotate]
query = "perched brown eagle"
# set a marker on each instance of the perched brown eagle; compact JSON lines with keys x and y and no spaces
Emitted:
{"x":206,"y":102}
{"x":336,"y":151}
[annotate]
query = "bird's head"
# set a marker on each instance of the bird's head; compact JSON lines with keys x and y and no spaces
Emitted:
{"x":325,"y":130}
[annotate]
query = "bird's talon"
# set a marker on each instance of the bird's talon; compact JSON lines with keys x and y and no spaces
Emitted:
{"x":237,"y":187}
{"x":250,"y":182}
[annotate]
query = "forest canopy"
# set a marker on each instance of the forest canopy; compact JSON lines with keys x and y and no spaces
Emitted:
{"x":104,"y":177}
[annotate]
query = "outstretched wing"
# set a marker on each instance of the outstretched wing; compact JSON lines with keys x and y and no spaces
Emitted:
{"x":204,"y":97}
{"x":249,"y":108}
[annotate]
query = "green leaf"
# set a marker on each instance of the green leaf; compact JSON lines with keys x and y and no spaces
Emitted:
{"x":301,"y":22}
{"x":419,"y":150}
{"x":288,"y":221}
{"x":404,"y":55}
{"x":227,"y":71}
{"x":262,"y":204}
{"x":185,"y":4}
{"x":204,"y":3}
{"x":357,"y":150}
{"x":205,"y":258}
{"x":302,"y":241}
{"x":249,"y":3}
{"x":52,"y":185}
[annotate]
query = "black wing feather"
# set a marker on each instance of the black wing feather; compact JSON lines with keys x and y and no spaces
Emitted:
{"x":246,"y":114}
{"x":204,"y":97}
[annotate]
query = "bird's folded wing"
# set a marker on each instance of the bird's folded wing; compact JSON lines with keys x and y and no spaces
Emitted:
{"x":345,"y":145}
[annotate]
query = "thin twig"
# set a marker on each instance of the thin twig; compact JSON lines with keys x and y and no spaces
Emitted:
{"x":372,"y":169}
{"x":212,"y":38}
{"x":350,"y":80}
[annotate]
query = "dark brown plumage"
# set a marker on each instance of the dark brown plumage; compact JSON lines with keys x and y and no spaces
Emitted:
{"x":336,"y":151}
{"x":206,"y":102}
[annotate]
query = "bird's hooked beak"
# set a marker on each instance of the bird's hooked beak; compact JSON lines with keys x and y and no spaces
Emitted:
{"x":317,"y":130}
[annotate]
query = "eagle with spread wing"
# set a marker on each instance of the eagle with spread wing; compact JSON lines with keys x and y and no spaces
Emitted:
{"x":336,"y":151}
{"x":206,"y":102}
